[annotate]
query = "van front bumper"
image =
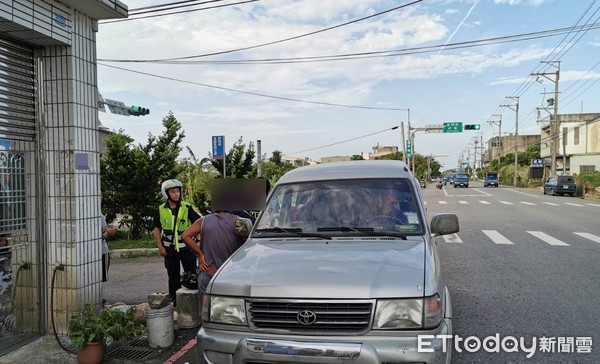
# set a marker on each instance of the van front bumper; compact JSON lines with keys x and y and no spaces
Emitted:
{"x":217,"y":346}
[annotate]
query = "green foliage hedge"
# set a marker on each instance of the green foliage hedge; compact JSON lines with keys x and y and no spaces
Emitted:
{"x":592,"y":179}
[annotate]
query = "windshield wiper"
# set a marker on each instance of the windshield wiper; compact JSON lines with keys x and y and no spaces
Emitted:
{"x":292,"y":231}
{"x":364,"y":231}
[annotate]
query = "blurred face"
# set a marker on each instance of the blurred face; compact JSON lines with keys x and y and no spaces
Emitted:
{"x":174,"y":194}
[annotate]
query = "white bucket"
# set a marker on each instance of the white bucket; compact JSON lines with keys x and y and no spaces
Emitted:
{"x":160,"y":326}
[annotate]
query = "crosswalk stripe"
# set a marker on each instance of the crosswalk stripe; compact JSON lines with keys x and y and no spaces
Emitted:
{"x":592,"y":237}
{"x":527,"y":203}
{"x":506,"y":202}
{"x":463,"y":202}
{"x":496,"y":237}
{"x":442,"y":202}
{"x":573,"y":204}
{"x":592,"y":204}
{"x":547,"y":238}
{"x":452,"y":238}
{"x":484,"y":202}
{"x":551,"y":203}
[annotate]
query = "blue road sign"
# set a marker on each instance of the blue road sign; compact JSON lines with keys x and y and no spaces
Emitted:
{"x":218,"y":144}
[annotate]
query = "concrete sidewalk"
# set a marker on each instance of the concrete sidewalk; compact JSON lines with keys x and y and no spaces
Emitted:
{"x":130,"y":281}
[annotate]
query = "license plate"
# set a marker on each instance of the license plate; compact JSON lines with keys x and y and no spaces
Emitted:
{"x":565,"y":186}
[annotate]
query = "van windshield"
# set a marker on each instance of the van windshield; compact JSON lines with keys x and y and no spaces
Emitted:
{"x":351,"y":206}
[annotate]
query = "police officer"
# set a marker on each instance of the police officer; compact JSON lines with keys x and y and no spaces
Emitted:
{"x":170,"y":221}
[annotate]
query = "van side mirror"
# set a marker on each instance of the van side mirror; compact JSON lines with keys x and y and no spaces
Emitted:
{"x":443,"y":224}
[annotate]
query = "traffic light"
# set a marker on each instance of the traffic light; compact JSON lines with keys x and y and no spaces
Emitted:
{"x":550,"y":101}
{"x":138,"y":111}
{"x":472,"y":127}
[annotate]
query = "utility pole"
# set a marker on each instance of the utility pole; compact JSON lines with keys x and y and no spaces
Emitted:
{"x":475,"y":156}
{"x":412,"y":145}
{"x":481,"y":159}
{"x":515,"y":108}
{"x":554,"y":125}
{"x":499,"y":123}
{"x":258,"y":159}
{"x":403,"y":141}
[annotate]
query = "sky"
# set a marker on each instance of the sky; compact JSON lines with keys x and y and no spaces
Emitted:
{"x":427,"y":62}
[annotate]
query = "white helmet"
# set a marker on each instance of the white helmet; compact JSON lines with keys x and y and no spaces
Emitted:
{"x":167,"y":185}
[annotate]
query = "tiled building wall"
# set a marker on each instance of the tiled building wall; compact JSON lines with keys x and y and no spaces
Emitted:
{"x":73,"y":169}
{"x":65,"y":40}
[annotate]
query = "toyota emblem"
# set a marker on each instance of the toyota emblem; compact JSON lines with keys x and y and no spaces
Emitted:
{"x":306,"y":317}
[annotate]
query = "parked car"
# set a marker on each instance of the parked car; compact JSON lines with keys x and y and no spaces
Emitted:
{"x":340,"y":267}
{"x":490,"y":179}
{"x":564,"y":185}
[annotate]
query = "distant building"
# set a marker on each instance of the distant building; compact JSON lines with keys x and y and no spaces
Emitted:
{"x":337,"y":158}
{"x":298,"y":161}
{"x":578,"y":143}
{"x":499,"y":147}
{"x":379,"y":151}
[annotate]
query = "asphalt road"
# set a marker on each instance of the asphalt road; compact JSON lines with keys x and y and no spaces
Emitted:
{"x":524,"y":265}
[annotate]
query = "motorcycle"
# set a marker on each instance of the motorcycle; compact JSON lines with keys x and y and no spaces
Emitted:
{"x":439,"y":185}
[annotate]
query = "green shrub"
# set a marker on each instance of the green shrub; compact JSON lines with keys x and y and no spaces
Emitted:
{"x":103,"y":326}
{"x":592,"y":179}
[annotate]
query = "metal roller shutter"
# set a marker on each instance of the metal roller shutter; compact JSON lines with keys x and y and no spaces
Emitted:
{"x":17,"y":91}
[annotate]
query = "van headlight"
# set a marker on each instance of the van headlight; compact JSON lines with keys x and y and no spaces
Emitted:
{"x":224,"y":310}
{"x":398,"y":314}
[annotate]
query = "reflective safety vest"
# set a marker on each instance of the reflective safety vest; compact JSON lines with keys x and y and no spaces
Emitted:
{"x":168,"y":223}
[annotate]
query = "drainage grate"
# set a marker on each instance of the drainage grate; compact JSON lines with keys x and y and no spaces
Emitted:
{"x":137,"y":350}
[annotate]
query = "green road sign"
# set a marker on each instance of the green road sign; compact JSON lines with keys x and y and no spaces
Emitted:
{"x":409,"y":148}
{"x":453,"y":127}
{"x":472,"y":127}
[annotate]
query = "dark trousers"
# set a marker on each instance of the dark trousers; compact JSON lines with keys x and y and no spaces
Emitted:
{"x":187,"y":259}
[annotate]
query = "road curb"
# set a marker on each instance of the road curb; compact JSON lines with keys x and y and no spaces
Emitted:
{"x":117,"y":253}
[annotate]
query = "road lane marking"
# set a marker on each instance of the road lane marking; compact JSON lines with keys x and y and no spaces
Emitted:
{"x":527,"y":203}
{"x":496,"y":237}
{"x":463,"y":202}
{"x":592,"y":237}
{"x":573,"y":204}
{"x":484,"y":202}
{"x":592,"y":204}
{"x":482,"y":192}
{"x":442,"y":202}
{"x":547,"y":238}
{"x":528,"y":194}
{"x":452,"y":238}
{"x":506,"y":202}
{"x":551,"y":203}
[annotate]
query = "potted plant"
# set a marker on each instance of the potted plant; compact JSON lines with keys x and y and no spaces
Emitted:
{"x":91,"y":330}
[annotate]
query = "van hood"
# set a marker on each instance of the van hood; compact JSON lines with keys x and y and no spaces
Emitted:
{"x":350,"y":268}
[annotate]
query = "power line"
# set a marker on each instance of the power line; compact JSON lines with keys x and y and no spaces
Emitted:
{"x":179,"y":12}
{"x":374,"y":54}
{"x":253,"y":93}
{"x":345,"y":141}
{"x":167,"y":6}
{"x":290,"y":38}
{"x":529,"y":82}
